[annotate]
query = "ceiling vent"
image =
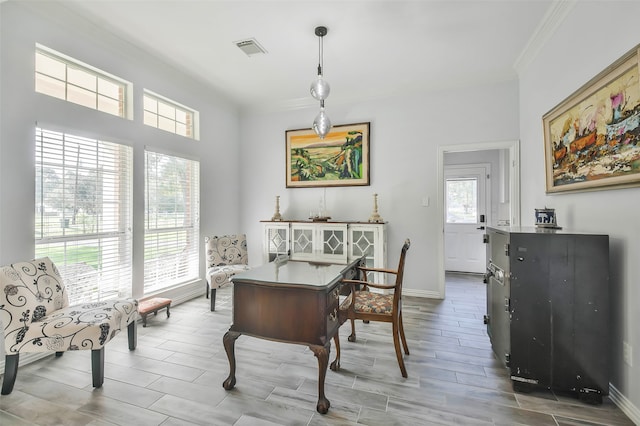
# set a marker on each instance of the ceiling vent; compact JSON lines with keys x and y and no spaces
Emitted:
{"x":250,"y":47}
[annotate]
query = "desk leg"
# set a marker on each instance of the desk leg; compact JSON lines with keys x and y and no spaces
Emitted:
{"x":322,"y":353}
{"x":229,"y":341}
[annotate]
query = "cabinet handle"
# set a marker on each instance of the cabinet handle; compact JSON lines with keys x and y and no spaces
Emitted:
{"x":333,"y":315}
{"x":336,"y":294}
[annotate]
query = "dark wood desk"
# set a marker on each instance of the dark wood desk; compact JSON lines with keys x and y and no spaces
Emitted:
{"x":292,"y":302}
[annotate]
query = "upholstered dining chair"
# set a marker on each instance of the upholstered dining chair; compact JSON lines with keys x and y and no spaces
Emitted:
{"x":36,"y":317}
{"x":361,"y":303}
{"x":226,"y":256}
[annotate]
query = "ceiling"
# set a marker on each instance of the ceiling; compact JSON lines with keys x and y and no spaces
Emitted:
{"x":373,"y":49}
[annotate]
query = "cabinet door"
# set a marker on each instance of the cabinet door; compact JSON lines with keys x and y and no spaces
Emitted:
{"x":369,"y":241}
{"x":302,"y":241}
{"x":276,"y":241}
{"x":332,"y":242}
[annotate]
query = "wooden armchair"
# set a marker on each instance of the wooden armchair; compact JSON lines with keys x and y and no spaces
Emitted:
{"x":370,"y":306}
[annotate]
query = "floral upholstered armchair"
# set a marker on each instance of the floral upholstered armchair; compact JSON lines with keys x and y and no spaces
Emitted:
{"x":36,"y":317}
{"x":226,"y":256}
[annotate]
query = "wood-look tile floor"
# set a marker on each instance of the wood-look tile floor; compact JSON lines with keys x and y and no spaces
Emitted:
{"x":175,"y":376}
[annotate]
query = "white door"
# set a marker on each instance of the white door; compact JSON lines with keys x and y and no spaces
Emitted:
{"x":466,"y":214}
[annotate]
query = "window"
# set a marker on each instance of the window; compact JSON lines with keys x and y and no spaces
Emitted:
{"x":172,"y":225}
{"x":83,"y":213}
{"x":66,"y":78}
{"x":170,"y":116}
{"x":462,"y":200}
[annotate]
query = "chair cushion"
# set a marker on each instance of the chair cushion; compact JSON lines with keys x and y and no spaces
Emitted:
{"x":220,"y":276}
{"x":226,"y":250}
{"x":373,"y":303}
{"x":84,"y":326}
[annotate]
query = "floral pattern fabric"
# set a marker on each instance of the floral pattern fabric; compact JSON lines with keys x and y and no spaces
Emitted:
{"x":374,"y":303}
{"x":36,"y":316}
{"x":226,"y":256}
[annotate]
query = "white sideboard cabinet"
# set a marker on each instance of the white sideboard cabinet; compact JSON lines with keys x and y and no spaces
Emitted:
{"x":331,"y":242}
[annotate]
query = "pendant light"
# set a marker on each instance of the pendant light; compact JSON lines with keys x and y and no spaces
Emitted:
{"x":320,"y":90}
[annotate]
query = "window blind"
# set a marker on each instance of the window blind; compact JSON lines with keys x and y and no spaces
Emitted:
{"x":83,"y":213}
{"x":172,"y":223}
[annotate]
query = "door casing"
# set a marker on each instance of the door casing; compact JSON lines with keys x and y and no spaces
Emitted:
{"x":514,"y":191}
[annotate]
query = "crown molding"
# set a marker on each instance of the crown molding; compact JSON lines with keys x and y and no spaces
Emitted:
{"x":554,"y":17}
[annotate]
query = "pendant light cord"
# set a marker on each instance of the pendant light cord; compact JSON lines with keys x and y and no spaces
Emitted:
{"x":320,"y":55}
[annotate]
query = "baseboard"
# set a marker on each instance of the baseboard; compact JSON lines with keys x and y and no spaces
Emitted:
{"x":624,"y":404}
{"x":421,"y":293}
{"x":26,"y":358}
{"x":185,"y":297}
{"x":182,"y":293}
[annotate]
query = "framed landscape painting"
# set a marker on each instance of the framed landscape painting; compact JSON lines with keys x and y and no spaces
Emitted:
{"x":340,"y":159}
{"x":592,"y":139}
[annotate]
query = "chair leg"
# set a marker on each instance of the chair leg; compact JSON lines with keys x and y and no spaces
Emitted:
{"x":10,"y":373}
{"x":404,"y":339}
{"x":213,"y":299}
{"x":132,"y":331}
{"x":335,"y":365}
{"x":97,"y":366}
{"x":352,"y":336}
{"x":206,"y":289}
{"x":396,"y":344}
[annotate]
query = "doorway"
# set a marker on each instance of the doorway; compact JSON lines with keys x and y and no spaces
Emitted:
{"x":509,"y":190}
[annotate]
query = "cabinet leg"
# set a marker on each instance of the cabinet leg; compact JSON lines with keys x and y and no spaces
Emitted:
{"x":522,"y":387}
{"x":590,"y":396}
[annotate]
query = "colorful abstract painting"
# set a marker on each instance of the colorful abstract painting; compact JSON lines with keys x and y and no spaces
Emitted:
{"x":339,"y":159}
{"x":592,"y":139}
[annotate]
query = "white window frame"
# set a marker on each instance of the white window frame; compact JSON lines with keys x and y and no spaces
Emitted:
{"x":101,"y":77}
{"x":169,"y":120}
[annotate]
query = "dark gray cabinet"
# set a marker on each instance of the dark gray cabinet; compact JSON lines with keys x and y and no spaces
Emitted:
{"x":548,"y":308}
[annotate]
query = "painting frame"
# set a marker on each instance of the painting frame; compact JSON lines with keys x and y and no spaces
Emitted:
{"x":339,"y":159}
{"x":592,"y":138}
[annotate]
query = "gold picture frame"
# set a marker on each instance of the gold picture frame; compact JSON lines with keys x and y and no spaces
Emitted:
{"x":592,"y":138}
{"x":340,"y":159}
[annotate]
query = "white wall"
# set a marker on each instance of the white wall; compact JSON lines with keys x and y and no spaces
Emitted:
{"x":24,"y":24}
{"x":592,"y":37}
{"x":405,"y":135}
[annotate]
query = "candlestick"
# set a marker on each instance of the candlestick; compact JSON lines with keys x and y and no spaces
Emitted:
{"x":375,"y":217}
{"x":277,"y":216}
